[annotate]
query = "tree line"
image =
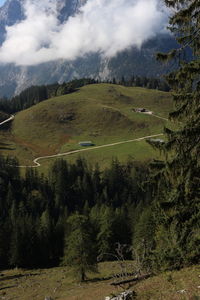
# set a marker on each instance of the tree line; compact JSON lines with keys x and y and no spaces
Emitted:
{"x":78,"y":213}
{"x":143,"y":81}
{"x":39,"y":214}
{"x":36,"y":94}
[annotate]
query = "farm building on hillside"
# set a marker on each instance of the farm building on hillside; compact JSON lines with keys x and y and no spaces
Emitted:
{"x":141,"y":110}
{"x":157,"y":140}
{"x":86,"y":144}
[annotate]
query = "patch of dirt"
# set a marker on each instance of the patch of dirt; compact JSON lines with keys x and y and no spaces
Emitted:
{"x":125,"y":99}
{"x":119,"y":96}
{"x":67,"y":117}
{"x":64,"y":139}
{"x":35,"y":148}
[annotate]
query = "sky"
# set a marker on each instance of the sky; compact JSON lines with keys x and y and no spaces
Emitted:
{"x":103,"y":26}
{"x":2,"y":2}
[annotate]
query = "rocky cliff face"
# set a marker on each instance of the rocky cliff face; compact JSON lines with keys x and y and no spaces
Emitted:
{"x":139,"y":62}
{"x":68,"y":8}
{"x":10,"y":13}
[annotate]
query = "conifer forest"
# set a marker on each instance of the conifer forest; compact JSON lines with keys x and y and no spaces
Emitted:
{"x":77,"y":213}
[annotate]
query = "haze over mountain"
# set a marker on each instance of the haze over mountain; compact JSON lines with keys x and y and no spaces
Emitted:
{"x":48,"y":41}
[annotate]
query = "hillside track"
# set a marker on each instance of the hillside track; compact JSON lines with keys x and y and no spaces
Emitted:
{"x":162,"y":118}
{"x":37,"y":164}
{"x":11,"y":118}
{"x":36,"y":160}
{"x":150,"y":113}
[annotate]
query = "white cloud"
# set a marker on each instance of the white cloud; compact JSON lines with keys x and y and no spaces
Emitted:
{"x":104,"y":26}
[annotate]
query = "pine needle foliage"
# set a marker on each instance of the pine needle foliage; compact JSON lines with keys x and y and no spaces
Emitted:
{"x":178,"y":197}
{"x":80,"y":251}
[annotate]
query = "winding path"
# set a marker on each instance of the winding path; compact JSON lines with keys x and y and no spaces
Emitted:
{"x":150,"y":113}
{"x":37,"y":164}
{"x":36,"y":160}
{"x":8,"y":120}
{"x":165,"y":119}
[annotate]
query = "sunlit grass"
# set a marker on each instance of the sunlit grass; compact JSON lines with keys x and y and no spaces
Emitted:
{"x":59,"y":283}
{"x":101,"y":113}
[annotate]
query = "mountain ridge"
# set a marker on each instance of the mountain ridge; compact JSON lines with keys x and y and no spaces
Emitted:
{"x":14,"y":79}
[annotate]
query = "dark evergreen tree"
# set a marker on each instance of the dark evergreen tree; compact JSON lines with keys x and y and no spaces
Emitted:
{"x":114,"y":80}
{"x":34,"y":210}
{"x":138,"y":81}
{"x":105,"y":237}
{"x":143,"y":241}
{"x":36,"y":94}
{"x":123,"y":81}
{"x":80,"y":248}
{"x":178,"y":236}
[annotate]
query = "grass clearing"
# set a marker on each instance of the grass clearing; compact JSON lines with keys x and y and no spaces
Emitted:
{"x":59,"y":284}
{"x":176,"y":285}
{"x":138,"y":151}
{"x":102,"y":113}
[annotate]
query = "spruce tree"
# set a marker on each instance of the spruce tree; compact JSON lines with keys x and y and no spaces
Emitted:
{"x":80,"y":251}
{"x":178,"y":211}
{"x":105,"y":237}
{"x":45,"y":235}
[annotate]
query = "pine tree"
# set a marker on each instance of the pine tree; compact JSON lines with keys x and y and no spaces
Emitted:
{"x":80,"y":250}
{"x":4,"y":243}
{"x":143,"y":243}
{"x":45,"y":236}
{"x":114,"y":80}
{"x":105,"y":237}
{"x":178,"y":234}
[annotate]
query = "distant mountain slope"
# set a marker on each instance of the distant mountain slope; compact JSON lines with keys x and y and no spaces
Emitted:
{"x":10,"y":13}
{"x":140,"y":62}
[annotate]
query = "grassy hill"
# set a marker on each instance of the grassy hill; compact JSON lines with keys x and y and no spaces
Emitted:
{"x":59,"y":284}
{"x":101,"y":113}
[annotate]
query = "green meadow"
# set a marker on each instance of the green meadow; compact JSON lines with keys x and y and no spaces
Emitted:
{"x":101,"y":113}
{"x":59,"y":284}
